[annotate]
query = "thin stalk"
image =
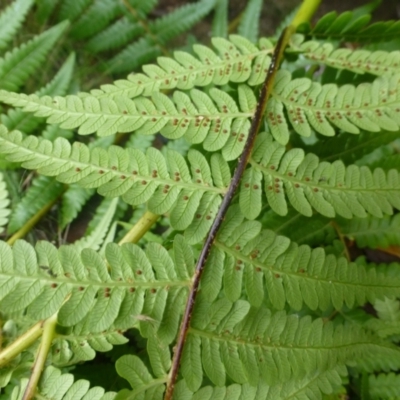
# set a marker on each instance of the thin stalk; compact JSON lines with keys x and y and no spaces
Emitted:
{"x":144,"y":224}
{"x":49,"y":329}
{"x":22,"y":343}
{"x":304,"y":14}
{"x":29,"y":225}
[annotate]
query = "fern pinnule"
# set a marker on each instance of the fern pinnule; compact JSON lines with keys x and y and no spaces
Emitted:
{"x":351,"y":27}
{"x":384,"y":386}
{"x":328,"y":188}
{"x":236,"y":60}
{"x":259,"y":345}
{"x":311,"y":106}
{"x":4,"y":204}
{"x":358,"y":61}
{"x":11,"y":19}
{"x":20,"y":63}
{"x":249,"y":21}
{"x":265,"y":264}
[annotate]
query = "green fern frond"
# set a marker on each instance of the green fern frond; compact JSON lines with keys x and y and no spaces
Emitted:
{"x":58,"y":86}
{"x":388,"y":322}
{"x":44,"y":9}
{"x":97,"y":235}
{"x":11,"y":19}
{"x":72,"y":9}
{"x":249,"y":21}
{"x":4,"y":204}
{"x":266,"y":264}
{"x":72,"y":201}
{"x":372,"y":232}
{"x":387,"y":163}
{"x":236,"y":60}
{"x":352,"y":28}
{"x":95,"y":18}
{"x":251,"y":345}
{"x":20,"y":63}
{"x":164,"y":182}
{"x":78,"y":344}
{"x":312,"y":387}
{"x":61,"y":386}
{"x":350,"y":148}
{"x":214,"y":119}
{"x":127,"y":286}
{"x":358,"y":61}
{"x":160,"y":32}
{"x":116,"y":35}
{"x":44,"y":190}
{"x":311,"y":106}
{"x":328,"y":188}
{"x":384,"y":386}
{"x":220,"y":19}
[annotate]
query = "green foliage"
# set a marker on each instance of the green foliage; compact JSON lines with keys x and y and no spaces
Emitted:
{"x":284,"y":310}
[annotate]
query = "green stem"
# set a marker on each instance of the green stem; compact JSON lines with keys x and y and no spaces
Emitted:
{"x":22,"y":343}
{"x":32,"y":222}
{"x":49,"y":329}
{"x":144,"y":224}
{"x":305,"y":12}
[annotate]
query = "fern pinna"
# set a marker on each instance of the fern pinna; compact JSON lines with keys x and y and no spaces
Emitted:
{"x":288,"y":305}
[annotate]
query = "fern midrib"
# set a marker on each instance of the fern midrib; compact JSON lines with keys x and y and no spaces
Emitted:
{"x":115,"y":173}
{"x":237,"y":340}
{"x":312,"y":185}
{"x":347,"y":109}
{"x":143,"y":388}
{"x":300,"y":276}
{"x":89,"y":335}
{"x":85,"y":283}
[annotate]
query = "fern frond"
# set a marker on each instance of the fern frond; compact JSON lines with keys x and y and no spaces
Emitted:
{"x":73,"y":199}
{"x":79,"y":344}
{"x":251,"y":345}
{"x":358,"y":61}
{"x":116,"y":35}
{"x":214,"y":119}
{"x":72,"y":9}
{"x":266,"y":264}
{"x":388,"y":322}
{"x":220,"y":19}
{"x":11,"y":19}
{"x":95,"y":18}
{"x":17,"y":65}
{"x":4,"y":204}
{"x":311,"y":106}
{"x":57,"y":385}
{"x":160,"y":32}
{"x":235,"y":60}
{"x":372,"y":232}
{"x":44,"y":190}
{"x":44,"y":9}
{"x":249,"y":21}
{"x":351,"y":28}
{"x":384,"y":386}
{"x":164,"y":182}
{"x":387,"y":163}
{"x":328,"y":188}
{"x":350,"y":148}
{"x":58,"y":86}
{"x":127,"y":286}
{"x":312,"y":387}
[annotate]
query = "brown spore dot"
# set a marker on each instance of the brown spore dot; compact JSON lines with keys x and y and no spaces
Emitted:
{"x":101,"y":171}
{"x":237,"y":268}
{"x":122,"y":176}
{"x":307,"y":179}
{"x":277,"y":276}
{"x":81,"y":288}
{"x":144,"y":182}
{"x":78,"y":169}
{"x":198,"y":216}
{"x":272,"y":167}
{"x":258,"y":269}
{"x":197,"y":171}
{"x":290,"y":173}
{"x":114,"y":168}
{"x":301,"y":270}
{"x":139,"y":272}
{"x":270,"y":187}
{"x":132,"y":289}
{"x":255,"y":187}
{"x":246,"y":185}
{"x":124,"y":112}
{"x":107,"y":294}
{"x":315,"y":189}
{"x":198,"y":180}
{"x":208,"y":217}
{"x":185,"y":197}
{"x":237,"y":247}
{"x":296,"y":185}
{"x":276,"y":179}
{"x":54,"y":285}
{"x":152,"y":290}
{"x":134,"y":172}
